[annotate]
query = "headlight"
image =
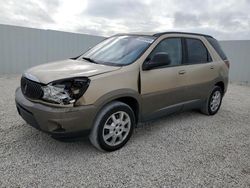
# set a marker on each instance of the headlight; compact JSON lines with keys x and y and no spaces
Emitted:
{"x":65,"y":91}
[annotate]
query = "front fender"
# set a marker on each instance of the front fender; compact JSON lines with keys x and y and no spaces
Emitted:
{"x":116,"y":94}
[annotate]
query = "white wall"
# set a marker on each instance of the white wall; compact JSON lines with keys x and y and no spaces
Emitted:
{"x":21,"y":48}
{"x":238,"y":52}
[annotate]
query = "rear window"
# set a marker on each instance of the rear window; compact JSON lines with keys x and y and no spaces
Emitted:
{"x":217,"y":47}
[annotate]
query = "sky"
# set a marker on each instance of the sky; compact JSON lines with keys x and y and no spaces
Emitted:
{"x":223,"y":19}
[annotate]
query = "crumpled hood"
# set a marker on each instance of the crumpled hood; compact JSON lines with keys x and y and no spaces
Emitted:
{"x":49,"y":72}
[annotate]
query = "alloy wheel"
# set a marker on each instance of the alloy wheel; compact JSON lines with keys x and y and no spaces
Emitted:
{"x":116,"y":128}
{"x":215,"y":101}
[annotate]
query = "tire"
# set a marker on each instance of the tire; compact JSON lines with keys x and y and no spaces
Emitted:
{"x":113,"y":126}
{"x":212,"y":105}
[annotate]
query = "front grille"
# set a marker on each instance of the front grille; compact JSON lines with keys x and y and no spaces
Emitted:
{"x":31,"y":89}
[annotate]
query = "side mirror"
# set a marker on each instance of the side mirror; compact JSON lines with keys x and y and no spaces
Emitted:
{"x":158,"y":60}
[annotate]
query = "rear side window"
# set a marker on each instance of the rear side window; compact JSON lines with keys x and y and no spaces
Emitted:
{"x":196,"y":52}
{"x":217,"y":47}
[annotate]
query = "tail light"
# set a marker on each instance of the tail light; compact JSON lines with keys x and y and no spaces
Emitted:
{"x":227,"y":63}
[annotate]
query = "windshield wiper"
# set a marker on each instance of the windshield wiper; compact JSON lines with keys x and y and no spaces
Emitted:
{"x":90,"y":60}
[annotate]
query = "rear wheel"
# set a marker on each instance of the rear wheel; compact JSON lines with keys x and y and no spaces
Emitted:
{"x":213,"y":103}
{"x":113,"y":126}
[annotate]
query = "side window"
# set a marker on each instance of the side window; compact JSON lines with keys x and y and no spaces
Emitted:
{"x":196,"y":52}
{"x":171,"y":46}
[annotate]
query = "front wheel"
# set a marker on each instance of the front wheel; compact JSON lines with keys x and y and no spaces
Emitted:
{"x":213,"y":103}
{"x":113,"y":126}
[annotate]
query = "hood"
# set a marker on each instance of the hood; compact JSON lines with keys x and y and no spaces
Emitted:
{"x":49,"y":72}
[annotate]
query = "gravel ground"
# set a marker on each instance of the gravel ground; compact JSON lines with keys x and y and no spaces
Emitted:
{"x":182,"y":150}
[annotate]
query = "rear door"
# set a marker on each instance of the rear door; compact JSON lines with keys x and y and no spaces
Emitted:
{"x":163,"y":88}
{"x":200,"y":69}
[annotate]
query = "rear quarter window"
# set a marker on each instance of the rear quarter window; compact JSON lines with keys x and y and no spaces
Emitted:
{"x":217,"y":47}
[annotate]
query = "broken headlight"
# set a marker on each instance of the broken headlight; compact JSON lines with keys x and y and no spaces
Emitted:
{"x":65,"y":91}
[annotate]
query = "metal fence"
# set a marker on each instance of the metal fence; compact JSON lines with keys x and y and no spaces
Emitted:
{"x":21,"y":48}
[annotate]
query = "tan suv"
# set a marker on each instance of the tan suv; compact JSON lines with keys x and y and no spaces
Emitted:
{"x":125,"y":79}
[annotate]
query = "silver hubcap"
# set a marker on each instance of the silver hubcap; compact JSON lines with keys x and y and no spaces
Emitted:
{"x":215,"y":101}
{"x":116,"y":128}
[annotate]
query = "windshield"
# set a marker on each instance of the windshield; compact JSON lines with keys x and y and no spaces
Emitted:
{"x":118,"y":50}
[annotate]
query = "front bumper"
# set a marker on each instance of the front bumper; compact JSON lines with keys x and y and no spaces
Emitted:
{"x":68,"y":121}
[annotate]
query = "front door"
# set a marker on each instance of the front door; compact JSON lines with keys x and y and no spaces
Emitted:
{"x":163,"y":88}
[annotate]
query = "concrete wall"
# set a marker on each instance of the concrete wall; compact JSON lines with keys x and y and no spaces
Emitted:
{"x":21,"y":48}
{"x":238,"y":53}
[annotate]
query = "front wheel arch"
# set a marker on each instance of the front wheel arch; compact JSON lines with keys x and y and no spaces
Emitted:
{"x":127,"y":96}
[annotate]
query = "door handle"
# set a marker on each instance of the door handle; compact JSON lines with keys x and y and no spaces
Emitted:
{"x":182,"y":72}
{"x":211,"y":67}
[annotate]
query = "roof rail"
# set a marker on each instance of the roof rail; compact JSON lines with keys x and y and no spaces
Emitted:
{"x":163,"y":33}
